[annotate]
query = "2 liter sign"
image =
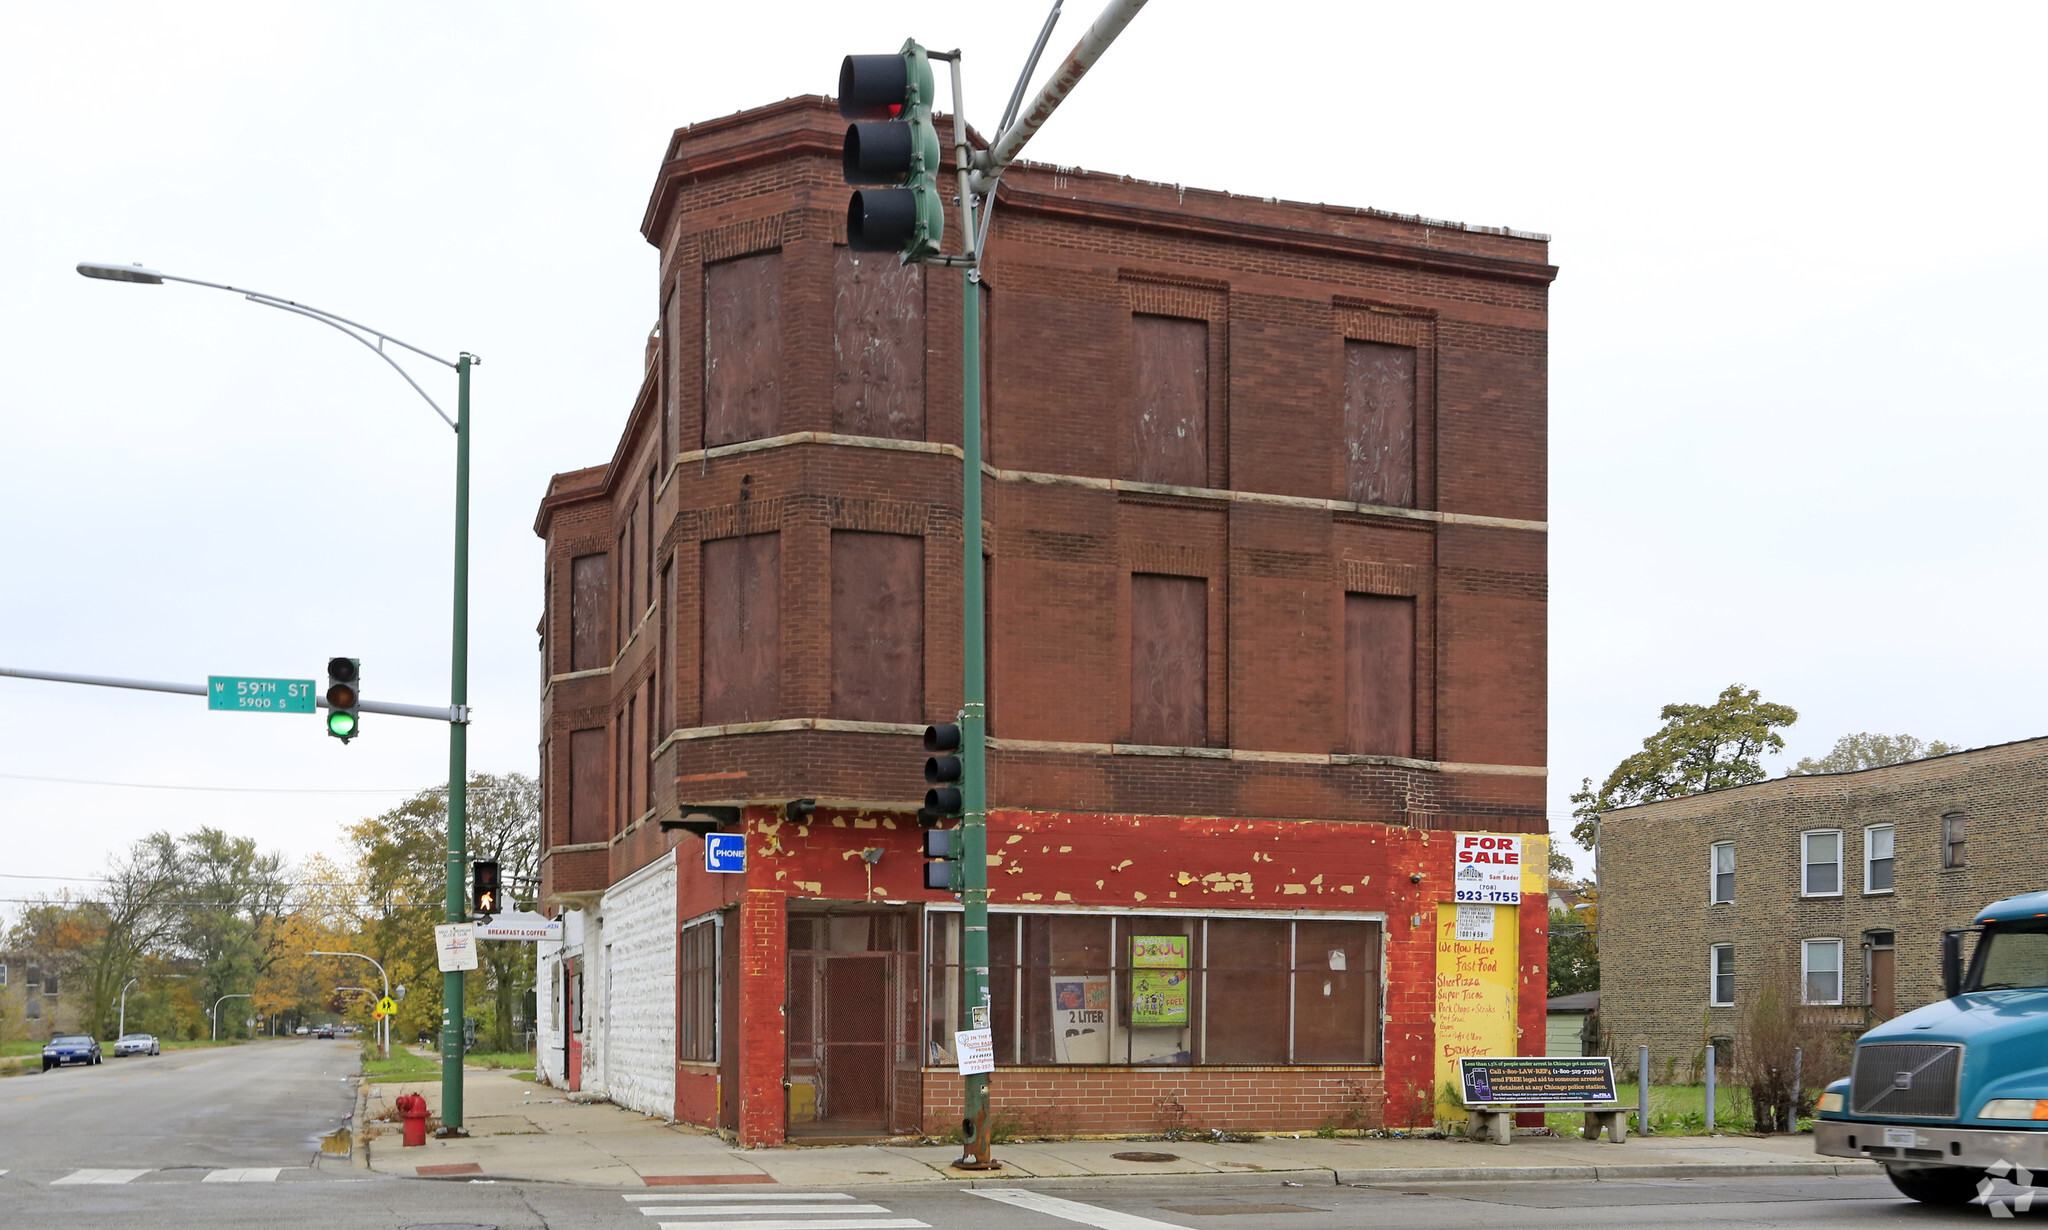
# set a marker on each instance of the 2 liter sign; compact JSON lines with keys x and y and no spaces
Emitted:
{"x":1489,"y":868}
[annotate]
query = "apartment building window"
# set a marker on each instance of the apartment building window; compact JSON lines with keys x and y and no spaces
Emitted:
{"x":1877,"y":858}
{"x":1821,"y":971}
{"x":1721,"y":975}
{"x":697,"y":993}
{"x":1952,"y":839}
{"x":1821,"y":863}
{"x":1723,"y":887}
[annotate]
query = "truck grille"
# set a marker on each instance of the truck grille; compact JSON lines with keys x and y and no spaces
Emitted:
{"x":1909,"y":1080}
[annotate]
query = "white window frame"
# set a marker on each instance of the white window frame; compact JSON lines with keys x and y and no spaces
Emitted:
{"x":1893,"y":857}
{"x":1805,"y":972}
{"x":1714,"y":975}
{"x":1714,"y":873}
{"x":1805,"y":863}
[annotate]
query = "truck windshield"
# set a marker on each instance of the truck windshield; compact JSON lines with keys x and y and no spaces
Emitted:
{"x":2011,"y":956}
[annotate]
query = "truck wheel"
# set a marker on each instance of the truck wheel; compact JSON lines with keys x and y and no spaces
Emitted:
{"x":1936,"y":1184}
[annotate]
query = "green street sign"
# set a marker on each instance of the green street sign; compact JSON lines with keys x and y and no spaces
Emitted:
{"x":259,"y":695}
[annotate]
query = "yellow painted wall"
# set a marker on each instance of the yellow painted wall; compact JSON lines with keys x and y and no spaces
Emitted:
{"x":1475,"y":997}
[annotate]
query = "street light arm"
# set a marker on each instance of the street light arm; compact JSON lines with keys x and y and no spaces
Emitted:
{"x":375,"y":348}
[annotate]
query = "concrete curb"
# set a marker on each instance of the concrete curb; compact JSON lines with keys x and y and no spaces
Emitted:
{"x":1299,"y":1178}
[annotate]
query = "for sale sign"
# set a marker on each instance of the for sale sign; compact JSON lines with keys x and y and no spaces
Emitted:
{"x":1487,"y":868}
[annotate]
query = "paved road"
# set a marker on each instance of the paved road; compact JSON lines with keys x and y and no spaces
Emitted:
{"x":157,"y":1200}
{"x":264,"y":1105}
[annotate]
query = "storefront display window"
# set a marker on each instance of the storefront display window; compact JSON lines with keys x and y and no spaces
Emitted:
{"x":1082,"y":988}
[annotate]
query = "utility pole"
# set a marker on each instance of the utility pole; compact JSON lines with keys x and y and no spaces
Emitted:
{"x":907,"y":219}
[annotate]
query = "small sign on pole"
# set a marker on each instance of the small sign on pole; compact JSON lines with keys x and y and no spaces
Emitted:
{"x":456,"y":947}
{"x":976,"y":1049}
{"x":259,"y":695}
{"x":725,"y":852}
{"x":387,"y":1006}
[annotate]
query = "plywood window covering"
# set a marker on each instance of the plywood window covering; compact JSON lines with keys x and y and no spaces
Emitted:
{"x":622,"y":767}
{"x":649,"y":536}
{"x":664,"y":681}
{"x":1065,"y":989}
{"x":589,"y":613}
{"x":742,"y":631}
{"x":697,"y":993}
{"x":878,"y":347}
{"x":1169,"y":414}
{"x":589,"y":787}
{"x":1379,"y":675}
{"x":628,"y":571}
{"x":1169,"y":660}
{"x":877,"y":626}
{"x":742,"y":349}
{"x":1379,"y":424}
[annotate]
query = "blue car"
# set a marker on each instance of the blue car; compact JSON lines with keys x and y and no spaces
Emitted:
{"x":70,"y":1048}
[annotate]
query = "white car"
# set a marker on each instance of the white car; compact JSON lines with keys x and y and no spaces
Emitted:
{"x":303,"y":1031}
{"x":137,"y":1044}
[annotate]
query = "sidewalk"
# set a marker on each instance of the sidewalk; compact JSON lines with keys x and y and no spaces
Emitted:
{"x":522,"y":1130}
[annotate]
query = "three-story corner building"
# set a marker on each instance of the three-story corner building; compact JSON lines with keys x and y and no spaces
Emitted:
{"x":1264,"y":502}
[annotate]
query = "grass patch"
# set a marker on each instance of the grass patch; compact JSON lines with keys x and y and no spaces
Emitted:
{"x":1679,"y":1110}
{"x":403,"y":1065}
{"x":22,"y":1047}
{"x":527,"y":1075}
{"x":499,"y":1059}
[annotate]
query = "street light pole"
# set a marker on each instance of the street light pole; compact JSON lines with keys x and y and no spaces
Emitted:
{"x":458,"y":726}
{"x":386,"y":1023}
{"x":123,"y":1027}
{"x":215,"y":1013}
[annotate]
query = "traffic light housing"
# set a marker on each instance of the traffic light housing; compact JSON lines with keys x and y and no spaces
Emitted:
{"x":942,"y":869}
{"x":343,"y":696}
{"x":892,"y":154}
{"x":943,"y":774}
{"x":485,"y":896}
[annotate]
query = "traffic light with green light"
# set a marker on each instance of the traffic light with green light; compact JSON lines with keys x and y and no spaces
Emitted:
{"x":892,"y":152}
{"x":343,"y":676}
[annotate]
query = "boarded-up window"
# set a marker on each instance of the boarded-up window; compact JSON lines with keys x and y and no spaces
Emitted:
{"x":589,"y":787}
{"x":742,"y":349}
{"x":1170,"y":401}
{"x":878,"y":347}
{"x":589,"y":613}
{"x":877,"y":627}
{"x":664,"y":686}
{"x":628,"y":573}
{"x":742,"y":633}
{"x":1379,"y":675}
{"x":1379,"y":424}
{"x":1169,"y":660}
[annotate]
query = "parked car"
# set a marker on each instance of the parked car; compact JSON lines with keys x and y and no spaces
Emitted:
{"x":70,"y":1048}
{"x":304,"y":1030}
{"x":137,"y":1044}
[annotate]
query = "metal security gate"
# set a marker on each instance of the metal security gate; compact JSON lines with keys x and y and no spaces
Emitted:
{"x":853,"y":1010}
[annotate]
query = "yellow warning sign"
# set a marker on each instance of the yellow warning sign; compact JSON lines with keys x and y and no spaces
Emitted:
{"x":387,"y":1006}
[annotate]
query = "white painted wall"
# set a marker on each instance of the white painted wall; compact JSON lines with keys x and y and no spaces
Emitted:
{"x":550,"y":1004}
{"x":629,"y":1025}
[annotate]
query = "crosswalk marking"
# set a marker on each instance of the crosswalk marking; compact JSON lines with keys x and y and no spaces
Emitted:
{"x":805,"y":1223}
{"x":100,"y":1176}
{"x":724,"y":1197}
{"x":259,"y":1174}
{"x":717,"y":1210}
{"x":1071,"y":1210}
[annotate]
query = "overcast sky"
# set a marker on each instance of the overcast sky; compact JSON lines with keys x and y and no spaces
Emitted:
{"x":1795,"y":429}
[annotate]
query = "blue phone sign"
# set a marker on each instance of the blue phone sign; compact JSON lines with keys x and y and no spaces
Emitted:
{"x":725,"y":852}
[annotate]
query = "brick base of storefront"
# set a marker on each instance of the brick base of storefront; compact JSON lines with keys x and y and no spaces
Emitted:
{"x":1083,"y":1101}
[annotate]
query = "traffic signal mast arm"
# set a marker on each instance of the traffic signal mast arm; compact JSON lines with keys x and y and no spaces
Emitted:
{"x":433,"y":713}
{"x":990,"y":164}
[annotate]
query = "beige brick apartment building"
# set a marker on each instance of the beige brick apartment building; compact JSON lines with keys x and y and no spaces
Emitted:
{"x":1843,"y":881}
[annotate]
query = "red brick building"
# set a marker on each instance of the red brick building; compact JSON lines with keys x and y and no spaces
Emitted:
{"x":1265,"y":500}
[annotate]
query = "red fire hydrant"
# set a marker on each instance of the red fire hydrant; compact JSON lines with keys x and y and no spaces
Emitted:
{"x":413,"y":1107}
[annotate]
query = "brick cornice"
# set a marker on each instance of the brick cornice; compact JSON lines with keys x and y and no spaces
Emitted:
{"x":1232,"y":231}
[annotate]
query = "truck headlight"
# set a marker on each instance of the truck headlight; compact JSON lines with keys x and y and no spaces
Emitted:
{"x":1829,"y":1104}
{"x":2015,"y":1108}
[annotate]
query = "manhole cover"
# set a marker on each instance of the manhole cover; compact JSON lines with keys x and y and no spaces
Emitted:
{"x":1146,"y":1157}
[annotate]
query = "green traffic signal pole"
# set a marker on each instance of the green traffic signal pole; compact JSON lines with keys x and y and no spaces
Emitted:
{"x":458,"y":711}
{"x":458,"y":765}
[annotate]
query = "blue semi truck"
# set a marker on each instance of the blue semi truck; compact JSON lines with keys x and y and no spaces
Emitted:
{"x":1945,"y":1093}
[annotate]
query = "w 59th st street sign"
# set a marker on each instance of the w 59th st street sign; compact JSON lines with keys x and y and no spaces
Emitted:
{"x":259,"y":695}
